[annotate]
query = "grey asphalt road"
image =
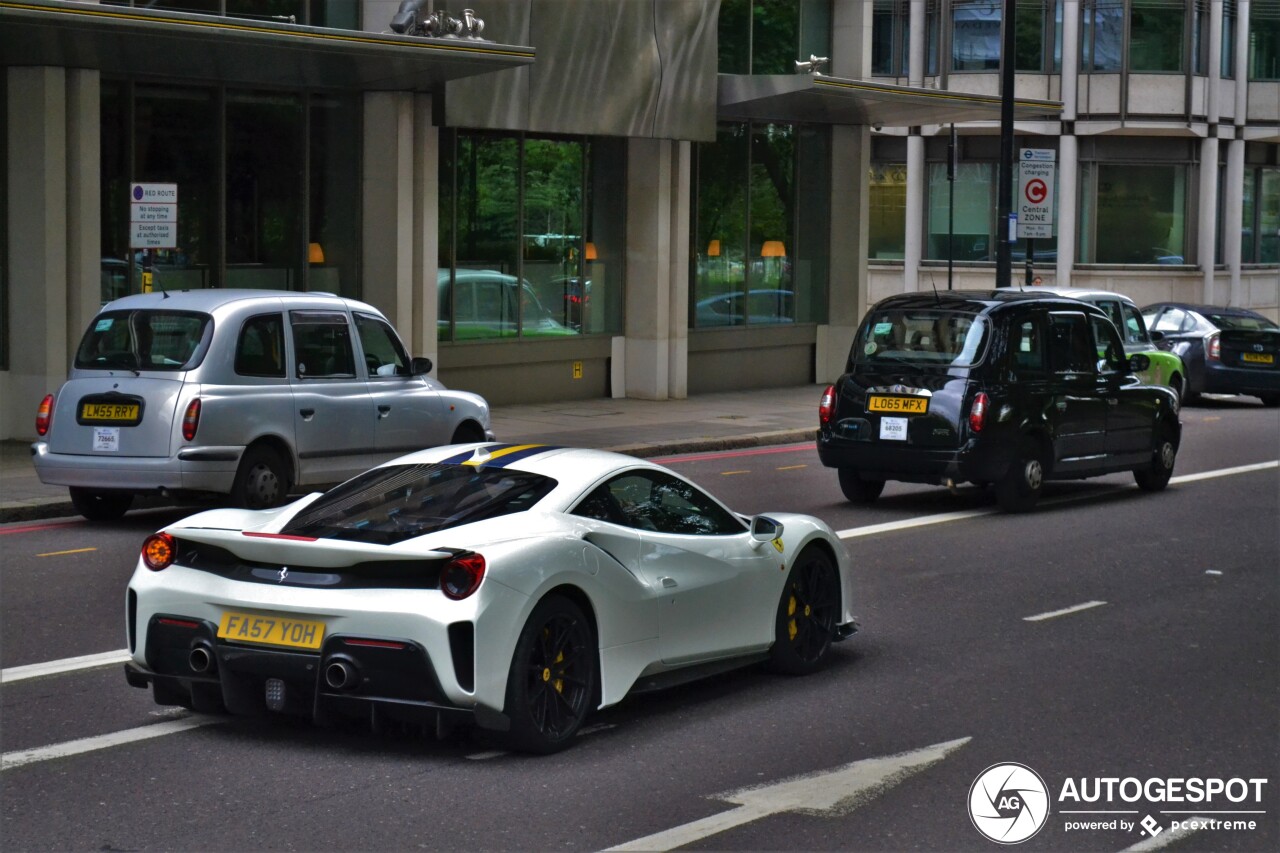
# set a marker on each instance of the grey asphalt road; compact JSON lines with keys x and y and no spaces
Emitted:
{"x":1176,"y":674}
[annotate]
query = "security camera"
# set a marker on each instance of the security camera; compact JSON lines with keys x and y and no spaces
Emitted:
{"x":879,"y":125}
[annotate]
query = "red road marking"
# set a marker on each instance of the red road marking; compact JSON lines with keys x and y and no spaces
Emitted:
{"x":31,"y":528}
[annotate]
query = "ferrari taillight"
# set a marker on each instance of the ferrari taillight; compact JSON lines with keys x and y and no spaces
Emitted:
{"x":828,"y":405}
{"x":191,"y":420}
{"x":44,"y":415}
{"x":978,"y":411}
{"x":462,"y":576}
{"x":158,"y":551}
{"x":1213,"y":347}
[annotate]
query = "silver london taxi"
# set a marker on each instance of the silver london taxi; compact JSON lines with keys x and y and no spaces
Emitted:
{"x":246,"y":393}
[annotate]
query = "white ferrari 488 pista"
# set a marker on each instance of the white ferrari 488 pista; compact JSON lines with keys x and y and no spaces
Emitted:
{"x":523,"y":585}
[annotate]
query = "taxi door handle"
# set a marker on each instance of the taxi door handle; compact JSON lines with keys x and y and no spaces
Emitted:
{"x":306,"y":413}
{"x":668,"y":583}
{"x":383,"y":411}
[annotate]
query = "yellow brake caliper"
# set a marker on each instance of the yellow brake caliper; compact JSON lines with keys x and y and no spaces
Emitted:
{"x":792,"y":630}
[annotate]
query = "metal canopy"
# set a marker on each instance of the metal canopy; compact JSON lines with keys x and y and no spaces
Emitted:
{"x":175,"y":46}
{"x":835,"y":100}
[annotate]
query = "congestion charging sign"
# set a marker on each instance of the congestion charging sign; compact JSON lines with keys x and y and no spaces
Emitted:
{"x":1035,"y":192}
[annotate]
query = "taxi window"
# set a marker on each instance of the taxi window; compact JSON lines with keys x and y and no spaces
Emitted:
{"x":144,"y":340}
{"x":1111,"y":358}
{"x":260,"y":348}
{"x":1071,"y":348}
{"x":920,"y":336}
{"x":384,"y":356}
{"x":1133,"y":329}
{"x":322,"y":345}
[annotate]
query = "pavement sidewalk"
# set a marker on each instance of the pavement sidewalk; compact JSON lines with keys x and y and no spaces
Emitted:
{"x":638,"y":427}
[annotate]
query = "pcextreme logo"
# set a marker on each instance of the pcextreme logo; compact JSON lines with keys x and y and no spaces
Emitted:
{"x":1009,"y":803}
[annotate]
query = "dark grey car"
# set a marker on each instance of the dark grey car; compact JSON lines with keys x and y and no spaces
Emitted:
{"x":246,"y":393}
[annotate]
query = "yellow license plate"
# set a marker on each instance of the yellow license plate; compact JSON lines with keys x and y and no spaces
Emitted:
{"x":270,"y":630}
{"x":1258,"y":358}
{"x":109,"y":412}
{"x":898,"y":405}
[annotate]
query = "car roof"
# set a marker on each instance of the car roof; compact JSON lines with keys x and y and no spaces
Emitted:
{"x":1083,"y":293}
{"x":973,"y":300}
{"x":569,"y":465}
{"x":211,"y":299}
{"x":1205,"y":309}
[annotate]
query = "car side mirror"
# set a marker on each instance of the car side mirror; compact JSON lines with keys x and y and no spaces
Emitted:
{"x":765,"y":529}
{"x":1156,"y":337}
{"x":421,"y":365}
{"x":1138,"y":363}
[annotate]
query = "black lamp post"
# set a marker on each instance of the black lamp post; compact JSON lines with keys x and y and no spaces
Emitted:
{"x":1004,"y":184}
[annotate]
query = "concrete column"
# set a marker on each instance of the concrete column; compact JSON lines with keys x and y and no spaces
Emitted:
{"x":1242,"y":63}
{"x":1070,"y":64}
{"x":847,"y":297}
{"x":913,"y":249}
{"x":38,"y":250}
{"x":1068,"y":217}
{"x":1232,"y":218}
{"x":424,"y":339}
{"x":678,"y":272}
{"x":1215,"y":63}
{"x":387,"y":194}
{"x":916,"y":44}
{"x":84,"y":203}
{"x":1207,"y":226}
{"x":650,"y":167}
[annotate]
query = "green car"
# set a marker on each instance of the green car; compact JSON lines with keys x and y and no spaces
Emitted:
{"x":1166,"y":367}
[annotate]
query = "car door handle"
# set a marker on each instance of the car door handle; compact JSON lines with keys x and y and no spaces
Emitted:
{"x":1112,"y":401}
{"x":306,"y":413}
{"x":383,"y":411}
{"x":668,"y":583}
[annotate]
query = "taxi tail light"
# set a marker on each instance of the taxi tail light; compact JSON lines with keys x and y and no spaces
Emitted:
{"x":828,"y":405}
{"x":1213,"y":347}
{"x":44,"y":415}
{"x":462,"y":576}
{"x":159,"y":551}
{"x":978,"y":411}
{"x":191,"y":420}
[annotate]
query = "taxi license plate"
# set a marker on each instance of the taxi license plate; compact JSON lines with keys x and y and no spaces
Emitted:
{"x":898,"y":405}
{"x":113,"y":412}
{"x":1258,"y":358}
{"x":270,"y":630}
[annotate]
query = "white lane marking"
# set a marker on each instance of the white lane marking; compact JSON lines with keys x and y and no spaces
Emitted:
{"x":56,"y":667}
{"x":23,"y":757}
{"x":1212,"y":572}
{"x":825,"y":793}
{"x":1169,"y":836}
{"x":1040,"y":617}
{"x":945,"y":517}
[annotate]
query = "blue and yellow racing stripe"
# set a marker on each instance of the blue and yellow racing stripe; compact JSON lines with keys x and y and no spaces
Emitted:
{"x":498,"y":455}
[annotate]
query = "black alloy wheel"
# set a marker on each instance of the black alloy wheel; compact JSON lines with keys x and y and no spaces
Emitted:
{"x":552,"y":679}
{"x":100,"y":506}
{"x":1163,"y":455}
{"x":808,"y":614}
{"x":262,"y":480}
{"x":857,"y":490}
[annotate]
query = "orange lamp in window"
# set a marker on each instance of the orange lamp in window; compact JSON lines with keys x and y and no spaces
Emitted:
{"x":315,"y":254}
{"x":773,"y":249}
{"x":713,"y":249}
{"x":591,"y":251}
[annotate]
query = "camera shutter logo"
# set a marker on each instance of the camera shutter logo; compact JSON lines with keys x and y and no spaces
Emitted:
{"x":1008,"y":803}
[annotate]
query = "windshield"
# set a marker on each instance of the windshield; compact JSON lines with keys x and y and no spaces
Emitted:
{"x":920,"y":336}
{"x":143,"y":340}
{"x":398,"y":502}
{"x":1242,"y":321}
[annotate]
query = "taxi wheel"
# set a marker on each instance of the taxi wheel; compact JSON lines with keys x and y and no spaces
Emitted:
{"x":808,"y":613}
{"x":262,"y":480}
{"x":100,"y":506}
{"x":858,"y":490}
{"x":1163,"y":455}
{"x":467,"y":433}
{"x":552,"y":679}
{"x":1019,"y":489}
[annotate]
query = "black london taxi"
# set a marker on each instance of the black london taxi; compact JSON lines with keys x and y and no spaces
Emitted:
{"x":1005,"y":387}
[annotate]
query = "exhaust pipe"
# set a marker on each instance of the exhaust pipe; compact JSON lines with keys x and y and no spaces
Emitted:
{"x":340,"y":675}
{"x":201,"y":658}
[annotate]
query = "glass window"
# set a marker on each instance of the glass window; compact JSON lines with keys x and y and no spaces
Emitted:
{"x":652,"y":500}
{"x":1138,"y":215}
{"x":486,"y":189}
{"x":113,"y":147}
{"x":333,"y":241}
{"x":1026,"y":347}
{"x":1227,"y":69}
{"x":1264,"y":41}
{"x":772,"y":239}
{"x":144,"y":340}
{"x":1260,"y":220}
{"x":264,"y":191}
{"x":721,"y":232}
{"x":1132,"y":327}
{"x":975,"y":35}
{"x":1155,"y":35}
{"x":1172,"y":320}
{"x":1071,"y":348}
{"x":384,"y":355}
{"x":735,"y":37}
{"x":775,"y":36}
{"x":553,"y":242}
{"x":920,"y":336}
{"x":1032,"y":29}
{"x":1200,"y":38}
{"x":887,"y":210}
{"x":1111,"y":358}
{"x":599,"y":307}
{"x":260,"y":348}
{"x":1102,"y":35}
{"x":890,"y":37}
{"x":322,"y":344}
{"x":974,"y":189}
{"x":172,"y":131}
